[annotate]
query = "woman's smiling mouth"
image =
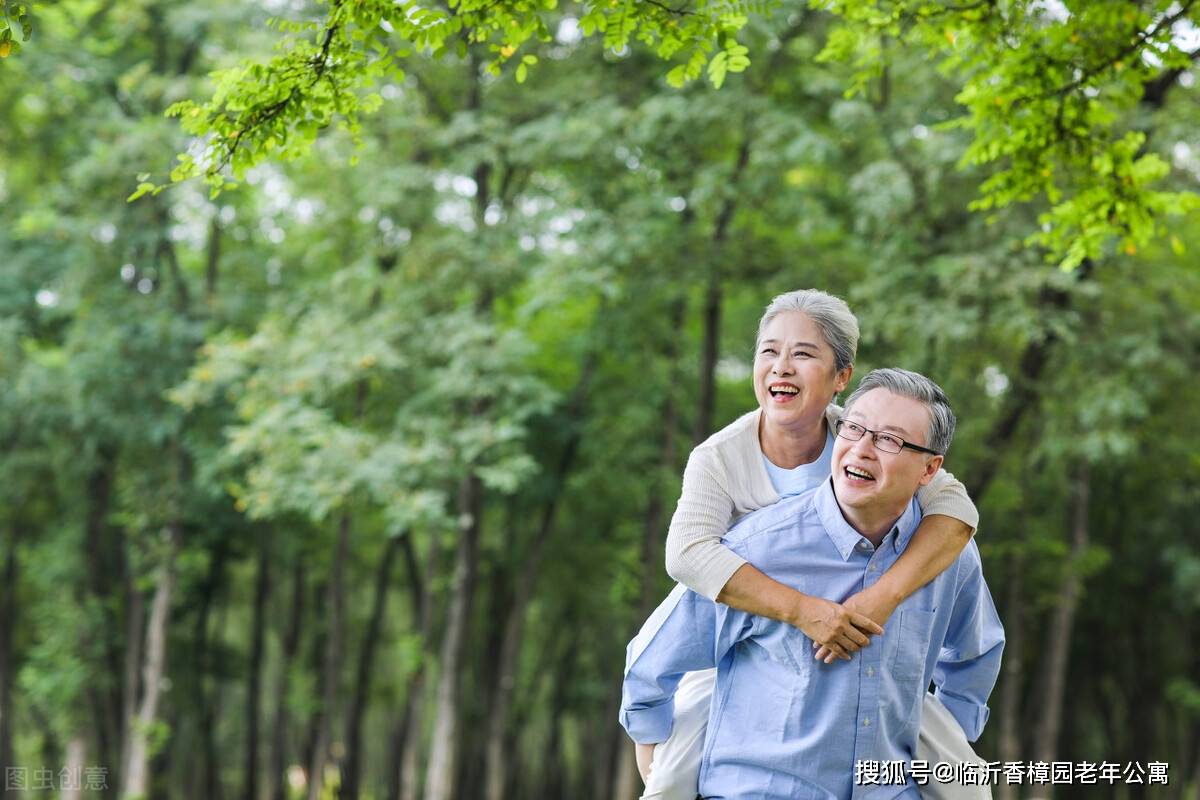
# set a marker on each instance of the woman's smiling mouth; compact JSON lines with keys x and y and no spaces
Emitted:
{"x":782,"y":392}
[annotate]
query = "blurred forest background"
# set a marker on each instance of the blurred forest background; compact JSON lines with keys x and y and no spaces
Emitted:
{"x":363,"y":470}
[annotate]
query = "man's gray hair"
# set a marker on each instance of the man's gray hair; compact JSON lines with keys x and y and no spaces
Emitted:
{"x":915,"y":385}
{"x":837,"y":322}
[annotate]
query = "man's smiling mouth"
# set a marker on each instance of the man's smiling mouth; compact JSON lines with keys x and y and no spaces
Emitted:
{"x":858,"y":474}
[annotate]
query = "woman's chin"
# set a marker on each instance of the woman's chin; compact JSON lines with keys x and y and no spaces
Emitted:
{"x":792,"y":413}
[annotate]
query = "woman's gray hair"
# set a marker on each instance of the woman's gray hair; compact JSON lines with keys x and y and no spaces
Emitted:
{"x":919,"y":388}
{"x":837,"y":322}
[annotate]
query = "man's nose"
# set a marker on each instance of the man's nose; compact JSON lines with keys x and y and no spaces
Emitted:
{"x":865,"y":447}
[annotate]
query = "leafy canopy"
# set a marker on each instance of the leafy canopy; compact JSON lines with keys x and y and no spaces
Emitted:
{"x":1049,"y":90}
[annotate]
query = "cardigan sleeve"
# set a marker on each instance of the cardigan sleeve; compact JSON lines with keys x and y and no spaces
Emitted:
{"x":696,"y":557}
{"x":945,"y":494}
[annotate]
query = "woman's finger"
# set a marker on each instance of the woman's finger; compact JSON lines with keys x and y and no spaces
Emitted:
{"x":859,"y":638}
{"x":865,"y":624}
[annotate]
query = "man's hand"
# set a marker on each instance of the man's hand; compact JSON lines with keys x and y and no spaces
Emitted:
{"x":837,"y":629}
{"x":645,"y":756}
{"x":872,"y":604}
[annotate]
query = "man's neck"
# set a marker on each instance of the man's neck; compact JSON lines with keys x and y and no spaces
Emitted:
{"x":872,"y":524}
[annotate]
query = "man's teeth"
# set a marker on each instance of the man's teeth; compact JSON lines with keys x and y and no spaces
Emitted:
{"x":858,"y":473}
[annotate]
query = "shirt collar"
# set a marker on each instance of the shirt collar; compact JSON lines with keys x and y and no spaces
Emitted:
{"x":843,"y":535}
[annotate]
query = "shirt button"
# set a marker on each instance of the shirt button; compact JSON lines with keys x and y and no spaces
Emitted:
{"x":866,"y":722}
{"x":864,"y":545}
{"x":870,"y":672}
{"x":873,"y":568}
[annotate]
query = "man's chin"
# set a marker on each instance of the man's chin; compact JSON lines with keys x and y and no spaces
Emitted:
{"x":853,"y":494}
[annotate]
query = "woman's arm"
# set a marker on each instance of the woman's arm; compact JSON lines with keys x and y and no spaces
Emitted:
{"x":697,"y":558}
{"x":949,"y":523}
{"x":837,"y":629}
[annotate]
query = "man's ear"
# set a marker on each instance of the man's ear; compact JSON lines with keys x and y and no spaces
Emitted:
{"x":931,"y":467}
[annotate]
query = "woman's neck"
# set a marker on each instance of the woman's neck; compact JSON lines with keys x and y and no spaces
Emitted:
{"x":789,"y":447}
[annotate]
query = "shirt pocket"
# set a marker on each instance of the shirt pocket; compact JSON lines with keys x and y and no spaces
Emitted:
{"x":799,"y":650}
{"x":911,"y":649}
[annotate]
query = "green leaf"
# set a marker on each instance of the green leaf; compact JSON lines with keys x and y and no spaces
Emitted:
{"x":716,"y":69}
{"x":142,"y":189}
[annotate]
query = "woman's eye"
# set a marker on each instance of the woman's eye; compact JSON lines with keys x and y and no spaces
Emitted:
{"x":801,"y":354}
{"x":766,"y":351}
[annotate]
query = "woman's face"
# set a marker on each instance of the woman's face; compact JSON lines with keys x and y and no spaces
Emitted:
{"x":794,"y":375}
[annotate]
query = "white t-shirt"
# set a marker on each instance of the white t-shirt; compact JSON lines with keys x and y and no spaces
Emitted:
{"x":804,"y":477}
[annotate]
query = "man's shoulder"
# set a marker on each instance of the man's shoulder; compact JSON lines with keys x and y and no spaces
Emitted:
{"x":970,"y":563}
{"x":790,"y":512}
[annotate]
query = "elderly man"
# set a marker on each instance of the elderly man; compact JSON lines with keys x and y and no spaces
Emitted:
{"x":784,"y":725}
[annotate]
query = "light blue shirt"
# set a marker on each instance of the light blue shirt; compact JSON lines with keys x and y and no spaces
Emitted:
{"x":786,"y":726}
{"x":803,"y":478}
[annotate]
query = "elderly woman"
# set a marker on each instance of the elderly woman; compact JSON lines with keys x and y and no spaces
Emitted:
{"x":804,"y":357}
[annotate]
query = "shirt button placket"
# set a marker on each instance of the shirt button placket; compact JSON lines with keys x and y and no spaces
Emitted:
{"x":868,"y":695}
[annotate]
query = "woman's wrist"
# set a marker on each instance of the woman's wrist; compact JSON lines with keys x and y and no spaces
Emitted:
{"x":882,"y":596}
{"x":800,"y":610}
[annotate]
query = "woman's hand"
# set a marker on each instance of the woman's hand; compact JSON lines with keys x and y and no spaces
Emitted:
{"x":836,"y":628}
{"x":876,"y":605}
{"x":645,"y":756}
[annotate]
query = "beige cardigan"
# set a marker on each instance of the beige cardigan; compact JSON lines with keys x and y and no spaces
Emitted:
{"x":725,"y":479}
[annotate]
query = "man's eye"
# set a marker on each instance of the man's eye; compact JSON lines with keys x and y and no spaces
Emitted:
{"x":855,"y":428}
{"x":891,"y":441}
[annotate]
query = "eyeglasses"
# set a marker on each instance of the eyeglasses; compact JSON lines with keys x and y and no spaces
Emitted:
{"x":884,"y":442}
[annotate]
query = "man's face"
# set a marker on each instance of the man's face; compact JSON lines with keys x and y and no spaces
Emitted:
{"x":868,"y":479}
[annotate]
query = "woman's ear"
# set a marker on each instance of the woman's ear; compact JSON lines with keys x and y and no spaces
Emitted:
{"x":842,"y":380}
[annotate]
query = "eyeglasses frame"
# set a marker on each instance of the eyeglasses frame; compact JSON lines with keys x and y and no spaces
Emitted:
{"x":841,"y":423}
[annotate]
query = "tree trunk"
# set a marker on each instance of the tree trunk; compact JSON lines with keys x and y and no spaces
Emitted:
{"x":202,"y":649}
{"x":628,"y":781}
{"x":105,"y":568}
{"x":135,"y":777}
{"x":399,"y":739}
{"x":498,"y":744}
{"x":710,"y":342}
{"x":409,"y":775}
{"x":8,"y":621}
{"x":605,"y":743}
{"x":76,"y":761}
{"x":362,"y":686}
{"x":708,"y":356}
{"x":1058,"y":639}
{"x":135,"y":623}
{"x":1009,"y":712}
{"x":329,"y":664}
{"x":408,"y":779}
{"x":212,"y":260}
{"x":316,"y":661}
{"x":443,"y":748}
{"x":262,"y":590}
{"x":653,"y":522}
{"x":1024,"y":397}
{"x":276,"y":780}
